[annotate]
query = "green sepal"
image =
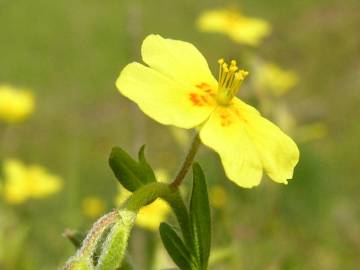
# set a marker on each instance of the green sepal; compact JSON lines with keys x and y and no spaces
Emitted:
{"x":79,"y":264}
{"x":200,"y":217}
{"x":130,"y":173}
{"x":114,"y":247}
{"x":99,"y":245}
{"x":177,"y":250}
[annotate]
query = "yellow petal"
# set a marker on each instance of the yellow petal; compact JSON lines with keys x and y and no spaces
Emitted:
{"x":226,"y":134}
{"x":218,"y":196}
{"x":15,"y":186}
{"x":150,"y":216}
{"x":278,"y":152}
{"x":214,"y":21}
{"x":15,"y":104}
{"x":42,"y":183}
{"x":240,"y":28}
{"x":250,"y":31}
{"x":92,"y":206}
{"x":164,"y":99}
{"x":248,"y":143}
{"x":178,"y":60}
{"x":25,"y":182}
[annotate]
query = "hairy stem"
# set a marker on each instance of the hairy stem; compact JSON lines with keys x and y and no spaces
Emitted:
{"x":187,"y":162}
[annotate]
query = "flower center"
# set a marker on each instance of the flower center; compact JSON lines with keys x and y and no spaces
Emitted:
{"x":230,"y":79}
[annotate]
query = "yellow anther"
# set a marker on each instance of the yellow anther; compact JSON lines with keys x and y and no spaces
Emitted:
{"x":239,"y":76}
{"x":230,"y":80}
{"x":244,"y":72}
{"x":225,"y":67}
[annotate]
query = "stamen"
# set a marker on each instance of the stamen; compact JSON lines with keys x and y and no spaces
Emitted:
{"x":230,"y":80}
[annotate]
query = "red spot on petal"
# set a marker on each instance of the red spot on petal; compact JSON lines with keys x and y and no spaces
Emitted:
{"x":206,"y":95}
{"x":196,"y":100}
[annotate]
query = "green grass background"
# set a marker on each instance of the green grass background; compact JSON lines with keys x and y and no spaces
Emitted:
{"x":71,"y":52}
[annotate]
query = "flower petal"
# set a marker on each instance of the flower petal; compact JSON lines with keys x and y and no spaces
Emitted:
{"x":250,"y":31}
{"x":163,"y":99}
{"x":215,"y":21}
{"x":278,"y":152}
{"x":240,"y":28}
{"x":226,"y":134}
{"x":178,"y":60}
{"x":248,"y":143}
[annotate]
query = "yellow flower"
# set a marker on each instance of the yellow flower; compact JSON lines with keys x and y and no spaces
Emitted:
{"x":152,"y":215}
{"x":149,"y":216}
{"x":218,"y":196}
{"x":278,"y":81}
{"x":22,"y":183}
{"x":15,"y":104}
{"x":178,"y":89}
{"x":238,"y":27}
{"x":92,"y":206}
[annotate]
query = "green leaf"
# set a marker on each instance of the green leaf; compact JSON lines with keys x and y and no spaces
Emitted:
{"x":145,"y":167}
{"x":176,"y":248}
{"x":182,"y":214}
{"x":200,"y":216}
{"x":131,"y":174}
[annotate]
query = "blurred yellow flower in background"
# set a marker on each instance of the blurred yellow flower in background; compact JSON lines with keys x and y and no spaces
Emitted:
{"x":93,"y":206}
{"x":15,"y":104}
{"x":242,"y":29}
{"x":274,"y":79}
{"x":151,"y":215}
{"x":178,"y":89}
{"x":27,"y":182}
{"x":218,"y":196}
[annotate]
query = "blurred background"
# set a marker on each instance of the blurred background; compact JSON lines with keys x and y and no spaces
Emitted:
{"x":69,"y":54}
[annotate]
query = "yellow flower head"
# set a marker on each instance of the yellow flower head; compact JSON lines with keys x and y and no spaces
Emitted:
{"x":274,"y":79}
{"x":149,"y":216}
{"x":152,"y":215}
{"x":92,"y":206}
{"x":15,"y":104}
{"x":177,"y":88}
{"x":22,"y":183}
{"x":218,"y":196}
{"x":241,"y":29}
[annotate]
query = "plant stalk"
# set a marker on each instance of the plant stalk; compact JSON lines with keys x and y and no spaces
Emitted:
{"x":187,"y":162}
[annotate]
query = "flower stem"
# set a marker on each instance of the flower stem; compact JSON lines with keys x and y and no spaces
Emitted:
{"x":187,"y":162}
